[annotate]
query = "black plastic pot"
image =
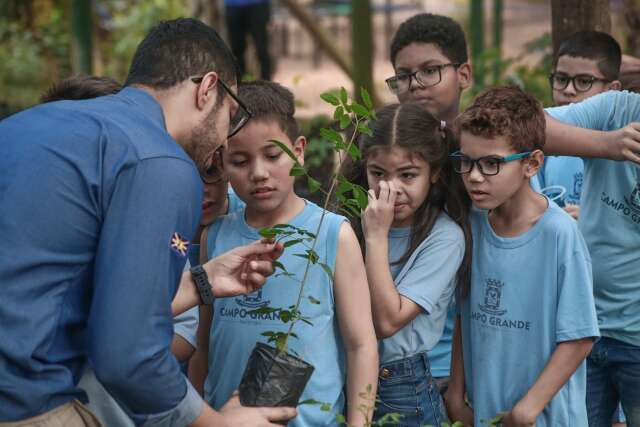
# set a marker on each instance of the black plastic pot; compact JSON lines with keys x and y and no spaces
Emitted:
{"x":272,"y":379}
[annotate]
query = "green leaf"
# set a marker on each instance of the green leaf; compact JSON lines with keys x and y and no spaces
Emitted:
{"x":327,"y":270}
{"x":268,"y":233}
{"x":313,"y":184}
{"x":343,"y":95}
{"x":363,"y":128}
{"x":306,"y":320}
{"x":330,"y":98}
{"x":285,"y":316}
{"x":312,"y":300}
{"x":354,"y":152}
{"x":345,"y":121}
{"x":284,"y":148}
{"x":360,"y":110}
{"x":310,"y":402}
{"x":331,"y":135}
{"x":338,"y":113}
{"x":366,"y":98}
{"x":361,"y":197}
{"x":278,"y":264}
{"x":289,"y":243}
{"x":297,"y":170}
{"x":325,"y":407}
{"x":313,"y":256}
{"x":341,"y":419}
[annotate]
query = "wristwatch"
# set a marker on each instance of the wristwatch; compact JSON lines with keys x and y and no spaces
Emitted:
{"x":202,"y":284}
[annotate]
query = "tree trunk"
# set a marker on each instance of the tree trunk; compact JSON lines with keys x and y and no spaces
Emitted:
{"x":319,"y":35}
{"x":476,"y":31}
{"x":81,"y":23}
{"x":631,"y":12}
{"x":570,"y":16}
{"x":362,"y":48}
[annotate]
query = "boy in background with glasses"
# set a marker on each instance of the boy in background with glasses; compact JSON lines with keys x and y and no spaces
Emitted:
{"x":429,"y":57}
{"x":587,"y":63}
{"x":529,"y":320}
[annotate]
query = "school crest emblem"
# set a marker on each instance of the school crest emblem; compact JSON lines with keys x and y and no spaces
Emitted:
{"x":492,"y":297}
{"x":634,"y":198}
{"x":179,"y":244}
{"x":253,"y":300}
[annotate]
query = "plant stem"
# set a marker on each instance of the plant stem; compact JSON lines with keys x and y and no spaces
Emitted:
{"x":329,"y":193}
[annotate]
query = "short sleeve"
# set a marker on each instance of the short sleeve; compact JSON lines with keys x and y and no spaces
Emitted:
{"x":576,"y":314}
{"x":186,"y":325}
{"x":433,"y":270}
{"x":606,"y":111}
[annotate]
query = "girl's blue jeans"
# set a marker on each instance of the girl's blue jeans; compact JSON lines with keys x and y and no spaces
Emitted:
{"x":406,"y":388}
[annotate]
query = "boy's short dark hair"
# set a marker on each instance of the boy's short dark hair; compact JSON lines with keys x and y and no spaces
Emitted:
{"x":595,"y":45}
{"x":506,"y":111}
{"x":269,"y":101}
{"x":178,"y":49}
{"x":81,"y":87}
{"x":440,"y":30}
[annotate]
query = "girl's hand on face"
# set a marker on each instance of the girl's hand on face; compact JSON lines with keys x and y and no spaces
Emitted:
{"x":378,"y":216}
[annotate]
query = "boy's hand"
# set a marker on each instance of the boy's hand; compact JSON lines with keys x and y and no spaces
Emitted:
{"x":242,"y":270}
{"x":573,"y":210}
{"x":627,"y":143}
{"x":378,"y":216}
{"x":458,"y":410}
{"x":519,"y":416}
{"x":237,"y":415}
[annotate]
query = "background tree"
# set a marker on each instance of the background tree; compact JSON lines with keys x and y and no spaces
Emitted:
{"x":570,"y":16}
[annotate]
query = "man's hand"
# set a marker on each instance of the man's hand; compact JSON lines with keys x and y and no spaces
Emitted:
{"x":236,"y":415}
{"x":244,"y":269}
{"x":378,"y":216}
{"x":626,"y":143}
{"x":573,"y":210}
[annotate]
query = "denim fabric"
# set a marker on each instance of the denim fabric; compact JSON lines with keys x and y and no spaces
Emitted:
{"x":613,"y":374}
{"x":407,"y":388}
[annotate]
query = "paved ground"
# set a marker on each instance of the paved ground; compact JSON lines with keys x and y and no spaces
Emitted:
{"x":523,"y":21}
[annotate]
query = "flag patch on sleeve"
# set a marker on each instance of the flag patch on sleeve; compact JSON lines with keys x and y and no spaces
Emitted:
{"x":179,"y":245}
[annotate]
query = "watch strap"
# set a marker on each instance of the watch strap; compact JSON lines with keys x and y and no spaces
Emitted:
{"x":203,"y":285}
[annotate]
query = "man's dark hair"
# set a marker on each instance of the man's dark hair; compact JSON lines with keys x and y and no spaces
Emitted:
{"x":440,"y":30}
{"x":178,"y":49}
{"x":269,"y":101}
{"x":595,"y":45}
{"x":81,"y":87}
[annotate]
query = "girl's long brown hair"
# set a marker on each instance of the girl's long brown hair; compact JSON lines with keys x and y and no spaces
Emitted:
{"x":411,"y":127}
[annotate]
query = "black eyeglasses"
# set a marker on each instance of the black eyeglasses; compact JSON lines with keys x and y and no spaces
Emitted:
{"x":212,"y":173}
{"x":581,"y":82}
{"x":489,"y":165}
{"x":426,"y":77}
{"x":243,"y":114}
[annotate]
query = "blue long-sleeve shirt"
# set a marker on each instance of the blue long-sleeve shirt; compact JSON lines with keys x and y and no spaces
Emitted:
{"x":96,"y":202}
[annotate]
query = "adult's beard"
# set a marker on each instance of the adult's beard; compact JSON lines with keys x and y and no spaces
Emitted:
{"x":204,"y":141}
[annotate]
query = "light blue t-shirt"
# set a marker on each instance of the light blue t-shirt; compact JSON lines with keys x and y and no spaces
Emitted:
{"x":235,"y":331}
{"x":565,"y":173}
{"x":610,"y":215}
{"x":528,"y":293}
{"x":428,"y":278}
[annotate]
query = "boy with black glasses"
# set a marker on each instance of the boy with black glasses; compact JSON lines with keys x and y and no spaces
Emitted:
{"x":587,"y":63}
{"x":529,"y":320}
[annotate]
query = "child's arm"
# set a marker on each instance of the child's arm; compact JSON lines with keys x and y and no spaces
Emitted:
{"x":199,"y":364}
{"x":457,"y":408}
{"x":566,"y":140}
{"x":353,"y":308}
{"x":564,"y":361}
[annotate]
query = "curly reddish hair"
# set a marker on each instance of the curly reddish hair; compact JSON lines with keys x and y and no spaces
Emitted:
{"x":506,"y":111}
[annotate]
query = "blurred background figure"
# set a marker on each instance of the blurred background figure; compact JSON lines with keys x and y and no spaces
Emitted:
{"x":245,"y":17}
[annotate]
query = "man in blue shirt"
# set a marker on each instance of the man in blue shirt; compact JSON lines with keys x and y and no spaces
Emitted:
{"x":100,"y":199}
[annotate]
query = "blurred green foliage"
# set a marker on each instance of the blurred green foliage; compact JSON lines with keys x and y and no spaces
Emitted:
{"x":530,"y":75}
{"x":35,"y":42}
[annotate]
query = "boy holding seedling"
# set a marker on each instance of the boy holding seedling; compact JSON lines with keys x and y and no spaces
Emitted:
{"x":529,"y":319}
{"x":586,"y":64}
{"x":339,"y":311}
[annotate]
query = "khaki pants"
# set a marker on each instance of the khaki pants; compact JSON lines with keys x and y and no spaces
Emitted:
{"x":72,"y":414}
